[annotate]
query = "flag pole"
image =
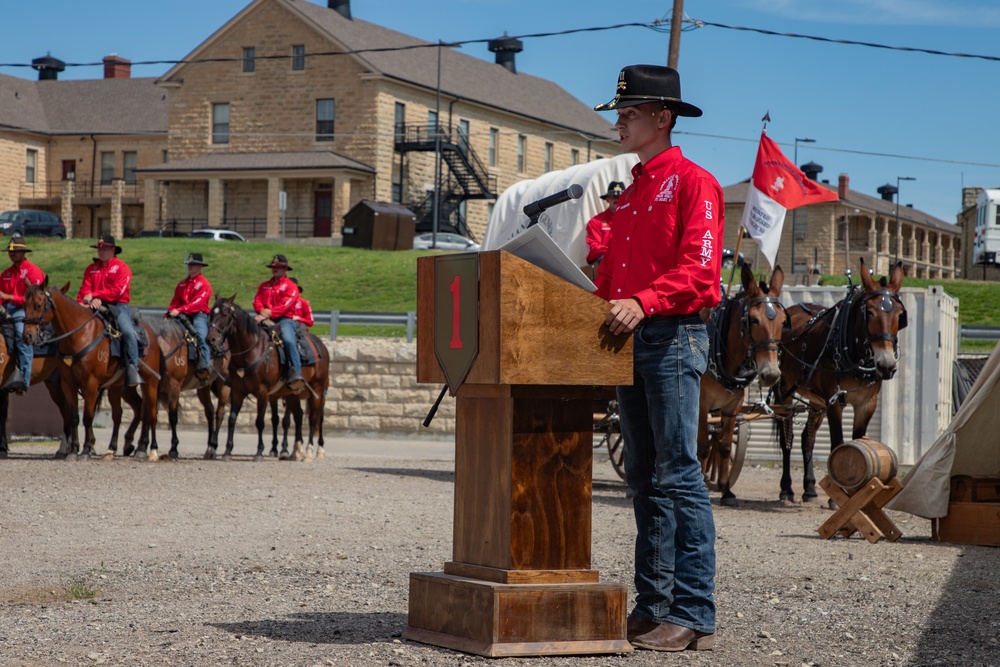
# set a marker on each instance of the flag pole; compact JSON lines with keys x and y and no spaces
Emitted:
{"x":736,"y":259}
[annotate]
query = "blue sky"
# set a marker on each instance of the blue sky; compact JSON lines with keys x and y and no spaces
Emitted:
{"x":935,"y":112}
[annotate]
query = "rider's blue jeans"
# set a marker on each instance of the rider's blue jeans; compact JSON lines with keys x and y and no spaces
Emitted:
{"x":25,"y":352}
{"x":675,"y":545}
{"x":287,"y":325}
{"x":199,"y":322}
{"x":123,"y":317}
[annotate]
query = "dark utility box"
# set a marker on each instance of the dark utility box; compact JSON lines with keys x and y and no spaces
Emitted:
{"x":379,"y":226}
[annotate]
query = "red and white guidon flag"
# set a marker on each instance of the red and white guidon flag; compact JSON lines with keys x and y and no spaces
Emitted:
{"x":777,"y":186}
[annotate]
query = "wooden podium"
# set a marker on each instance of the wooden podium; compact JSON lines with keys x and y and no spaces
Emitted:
{"x":520,"y":580}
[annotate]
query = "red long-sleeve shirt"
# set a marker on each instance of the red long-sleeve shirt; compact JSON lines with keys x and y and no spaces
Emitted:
{"x":598,"y":235}
{"x":666,"y":250}
{"x":278,"y":296}
{"x":192,"y":295}
{"x":108,"y":282}
{"x":14,"y":280}
{"x":303,"y":311}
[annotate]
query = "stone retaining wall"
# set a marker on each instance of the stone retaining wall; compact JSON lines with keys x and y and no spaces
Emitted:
{"x":373,"y":390}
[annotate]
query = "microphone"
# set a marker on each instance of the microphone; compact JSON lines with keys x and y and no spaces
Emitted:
{"x":534,"y":209}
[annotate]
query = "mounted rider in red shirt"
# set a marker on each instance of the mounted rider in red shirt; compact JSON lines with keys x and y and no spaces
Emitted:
{"x":191,"y":303}
{"x":14,"y":283}
{"x":275,"y":300}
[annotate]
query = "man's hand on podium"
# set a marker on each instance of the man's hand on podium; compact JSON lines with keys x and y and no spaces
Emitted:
{"x":624,"y":316}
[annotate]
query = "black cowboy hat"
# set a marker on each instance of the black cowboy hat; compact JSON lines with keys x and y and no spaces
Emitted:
{"x":17,"y":243}
{"x":639,"y":84}
{"x":195,"y":258}
{"x":107,"y":240}
{"x":296,"y":281}
{"x":615,"y":189}
{"x":279,"y":262}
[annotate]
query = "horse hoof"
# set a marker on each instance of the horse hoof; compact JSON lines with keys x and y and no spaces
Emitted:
{"x":258,"y":457}
{"x":127,"y":450}
{"x":320,"y":454}
{"x":3,"y":453}
{"x":173,"y":455}
{"x":227,"y":457}
{"x":209,"y":454}
{"x":153,"y":456}
{"x":808,"y":498}
{"x":787,"y":497}
{"x":729,"y":501}
{"x":142,"y":455}
{"x":107,"y":456}
{"x":832,"y":505}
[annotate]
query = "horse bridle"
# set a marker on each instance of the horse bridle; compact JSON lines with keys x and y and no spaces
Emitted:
{"x":51,"y":305}
{"x":748,"y":368}
{"x":771,"y":307}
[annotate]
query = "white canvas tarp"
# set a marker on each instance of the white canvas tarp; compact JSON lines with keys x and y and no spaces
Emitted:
{"x":969,"y":446}
{"x":566,"y":223}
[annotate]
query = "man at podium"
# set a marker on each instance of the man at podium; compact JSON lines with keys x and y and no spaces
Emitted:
{"x":661,"y":269}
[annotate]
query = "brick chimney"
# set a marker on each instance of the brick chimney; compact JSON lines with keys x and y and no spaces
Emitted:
{"x":116,"y":67}
{"x":843,"y":186}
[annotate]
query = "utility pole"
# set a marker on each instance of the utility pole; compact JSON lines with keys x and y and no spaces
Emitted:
{"x":676,"y":20}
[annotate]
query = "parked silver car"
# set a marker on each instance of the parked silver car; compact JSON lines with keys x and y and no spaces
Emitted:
{"x":218,"y":235}
{"x":445,"y":241}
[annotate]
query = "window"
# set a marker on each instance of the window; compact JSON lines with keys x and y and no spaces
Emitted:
{"x":129,"y":163}
{"x":574,"y":157}
{"x":30,"y":164}
{"x":800,"y":225}
{"x":248,"y":58}
{"x":494,"y":143}
{"x":463,"y":136}
{"x":166,"y":157}
{"x":521,"y":144}
{"x":432,"y":122}
{"x":548,"y":157}
{"x":220,"y":123}
{"x":325,"y":111}
{"x":400,"y":120}
{"x":107,"y":168}
{"x":298,"y":58}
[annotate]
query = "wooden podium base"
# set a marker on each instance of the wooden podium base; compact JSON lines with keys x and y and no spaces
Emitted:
{"x":500,"y":620}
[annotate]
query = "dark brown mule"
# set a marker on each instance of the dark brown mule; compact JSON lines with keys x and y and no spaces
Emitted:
{"x":744,"y":339}
{"x":85,"y":349}
{"x":254,"y":370}
{"x":177,"y":374}
{"x":835,"y":357}
{"x":43,"y":369}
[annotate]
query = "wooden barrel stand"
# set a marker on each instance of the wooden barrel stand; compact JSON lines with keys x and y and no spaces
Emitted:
{"x":861,"y":480}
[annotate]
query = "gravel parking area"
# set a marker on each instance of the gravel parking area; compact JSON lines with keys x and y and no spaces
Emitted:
{"x":277,"y":563}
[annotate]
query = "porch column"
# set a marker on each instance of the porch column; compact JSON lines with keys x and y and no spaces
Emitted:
{"x":911,"y":249}
{"x":117,"y":191}
{"x":341,"y":203}
{"x":950,"y":258}
{"x":216,"y":202}
{"x":66,"y":207}
{"x":151,"y":203}
{"x":938,"y":258}
{"x":274,"y":185}
{"x":886,"y":248}
{"x":873,"y":244}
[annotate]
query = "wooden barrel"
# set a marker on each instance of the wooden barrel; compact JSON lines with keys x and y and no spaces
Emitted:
{"x":855,"y":463}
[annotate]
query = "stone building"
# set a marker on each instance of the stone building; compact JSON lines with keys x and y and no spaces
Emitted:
{"x":298,"y":98}
{"x":74,"y":147}
{"x":290,"y":96}
{"x":831,"y":236}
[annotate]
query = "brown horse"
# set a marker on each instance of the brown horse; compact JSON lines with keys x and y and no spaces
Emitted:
{"x":255,"y":371}
{"x":834,"y":357}
{"x":85,"y":349}
{"x":744,"y":338}
{"x":177,"y":375}
{"x":44,"y":368}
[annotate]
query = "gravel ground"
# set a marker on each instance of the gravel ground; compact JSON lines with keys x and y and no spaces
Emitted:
{"x":279,"y":563}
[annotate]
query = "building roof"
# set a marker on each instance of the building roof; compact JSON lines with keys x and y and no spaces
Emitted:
{"x":92,"y":106}
{"x":737,"y":193}
{"x":463,"y":76}
{"x":262,"y":162}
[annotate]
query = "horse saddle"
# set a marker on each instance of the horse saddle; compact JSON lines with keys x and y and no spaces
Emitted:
{"x":114,"y":334}
{"x":46,"y":349}
{"x":307,"y":354}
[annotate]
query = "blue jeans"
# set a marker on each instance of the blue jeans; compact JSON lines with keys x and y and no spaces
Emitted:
{"x":199,"y":322}
{"x":123,"y":317}
{"x":25,"y":352}
{"x":287,"y":325}
{"x":675,"y":545}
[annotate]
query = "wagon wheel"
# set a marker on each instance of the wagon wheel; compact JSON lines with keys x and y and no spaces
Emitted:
{"x":616,"y":451}
{"x":710,"y":466}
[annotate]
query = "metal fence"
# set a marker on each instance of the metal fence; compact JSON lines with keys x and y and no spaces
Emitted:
{"x":333,"y":318}
{"x":970,"y":332}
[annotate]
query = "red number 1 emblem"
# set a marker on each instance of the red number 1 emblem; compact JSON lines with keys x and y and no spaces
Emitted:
{"x":456,"y":292}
